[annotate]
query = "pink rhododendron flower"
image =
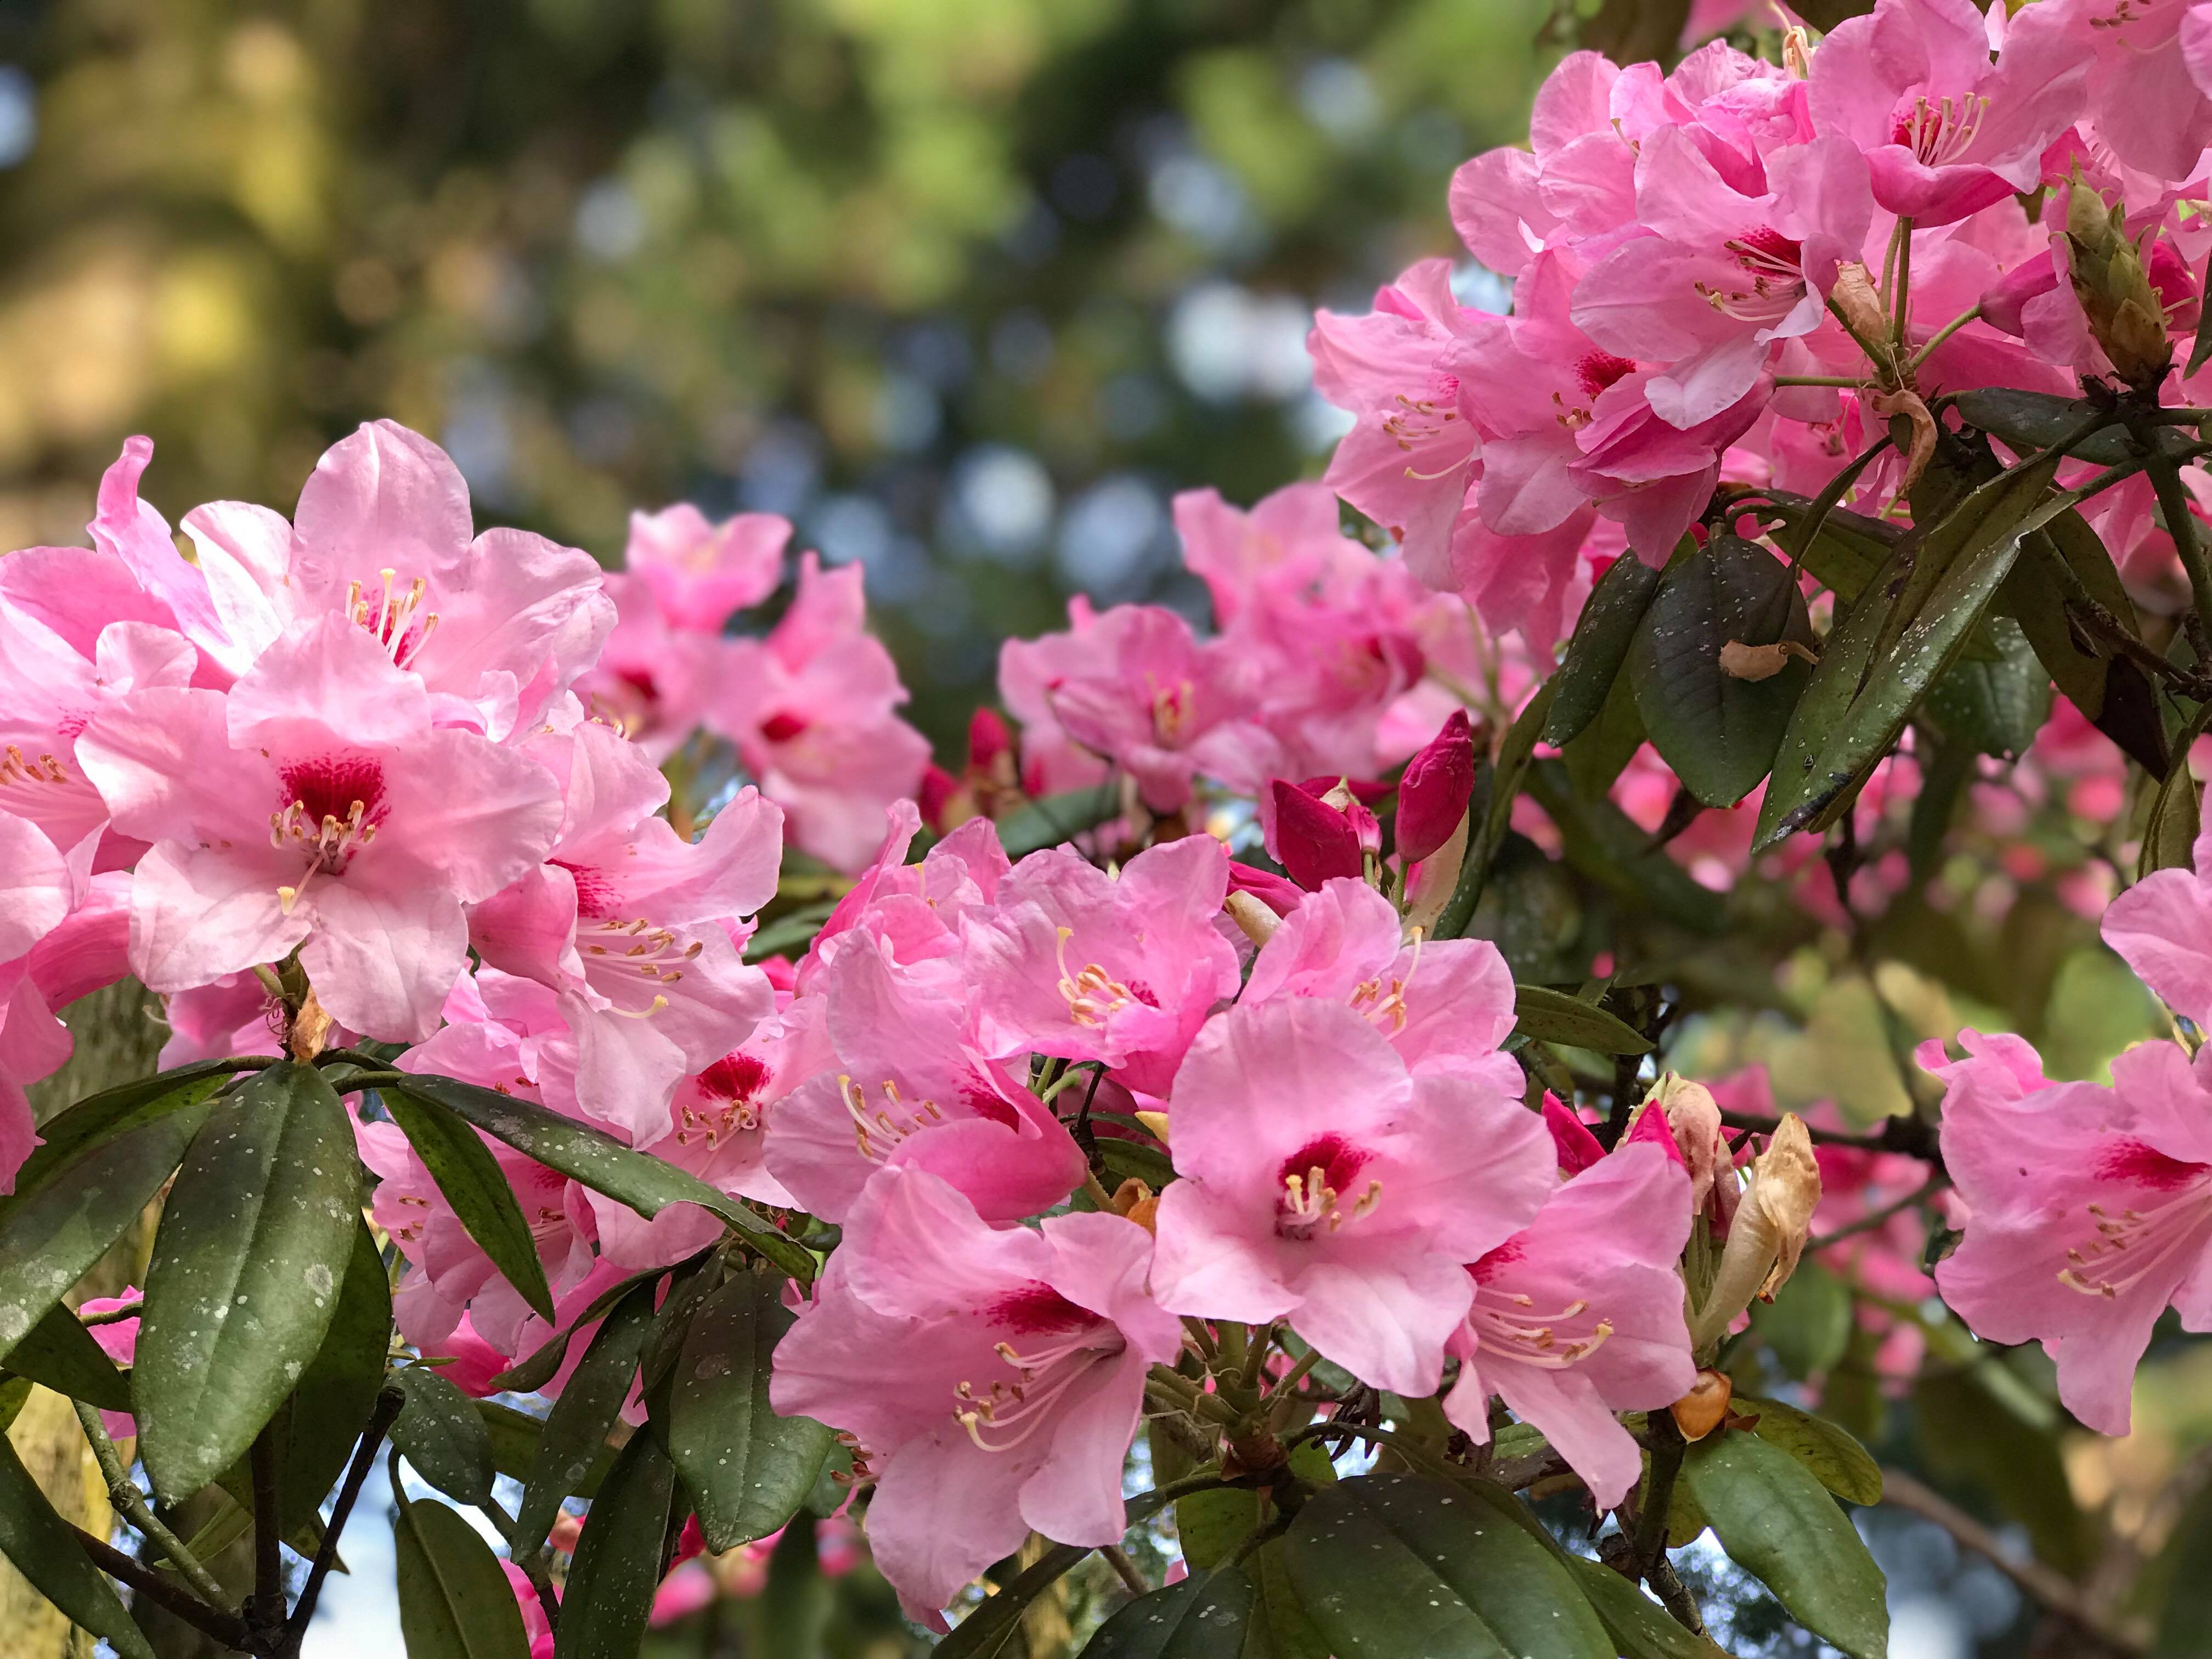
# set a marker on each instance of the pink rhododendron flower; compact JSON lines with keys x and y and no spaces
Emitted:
{"x":1434,"y":790}
{"x":1029,"y":672}
{"x":654,"y":681}
{"x":632,"y":925}
{"x":701,"y":574}
{"x":910,"y":1089}
{"x":810,"y":710}
{"x":1579,"y":1315}
{"x":1076,"y":963}
{"x":914,"y":909}
{"x":118,"y":1340}
{"x":495,"y":626}
{"x":2091,"y":1208}
{"x":536,"y":1629}
{"x":994,"y":1376}
{"x":2162,"y":928}
{"x":313,"y":807}
{"x":1445,"y":1005}
{"x":1945,"y":130}
{"x":1326,"y":1183}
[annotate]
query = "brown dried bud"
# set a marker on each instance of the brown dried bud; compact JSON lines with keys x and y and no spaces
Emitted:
{"x":1704,"y":1409}
{"x":311,"y":1030}
{"x":1768,"y":1233}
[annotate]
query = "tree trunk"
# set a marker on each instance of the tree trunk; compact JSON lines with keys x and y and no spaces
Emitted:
{"x":118,"y":1037}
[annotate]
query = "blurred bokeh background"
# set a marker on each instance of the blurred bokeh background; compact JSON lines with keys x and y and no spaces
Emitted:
{"x":966,"y":288}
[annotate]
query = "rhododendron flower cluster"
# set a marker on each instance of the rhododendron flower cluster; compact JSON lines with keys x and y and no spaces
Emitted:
{"x":1266,"y":1045}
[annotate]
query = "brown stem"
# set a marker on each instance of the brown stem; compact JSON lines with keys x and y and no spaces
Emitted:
{"x":1668,"y":1449}
{"x":2053,"y":1590}
{"x":388,"y":1402}
{"x":264,"y":1609}
{"x":1125,"y":1569}
{"x":224,"y":1627}
{"x":1913,"y":1137}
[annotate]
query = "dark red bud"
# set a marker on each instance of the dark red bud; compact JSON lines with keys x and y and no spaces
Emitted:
{"x":1433,"y":795}
{"x":936,"y":793}
{"x":1314,"y":839}
{"x":988,"y":738}
{"x":1271,"y":889}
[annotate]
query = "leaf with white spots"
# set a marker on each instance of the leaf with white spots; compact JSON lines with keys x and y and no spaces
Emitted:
{"x":1208,"y":1615}
{"x":1389,"y":1565}
{"x":747,"y":1469}
{"x":243,"y":1283}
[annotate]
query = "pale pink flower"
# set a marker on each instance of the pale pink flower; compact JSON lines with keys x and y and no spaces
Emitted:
{"x":633,"y":925}
{"x":914,"y":910}
{"x":811,"y":711}
{"x":2162,"y":928}
{"x":908,"y":1087}
{"x":2091,"y":1208}
{"x":1326,"y":1183}
{"x":314,"y":806}
{"x":702,"y":574}
{"x":1579,"y":1316}
{"x":654,"y":681}
{"x":994,"y":1377}
{"x":1029,"y":670}
{"x":496,"y":626}
{"x":1076,"y":963}
{"x":118,"y":1340}
{"x":1445,"y":1005}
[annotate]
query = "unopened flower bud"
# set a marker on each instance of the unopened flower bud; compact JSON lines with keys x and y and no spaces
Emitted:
{"x":1432,"y":794}
{"x":1694,"y":1118}
{"x":1314,"y":841}
{"x":1253,"y":918}
{"x":1365,"y":823}
{"x":1769,"y":1232}
{"x":2125,"y":314}
{"x":989,"y":741}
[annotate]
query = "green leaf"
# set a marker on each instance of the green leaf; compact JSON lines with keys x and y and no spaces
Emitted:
{"x":1638,"y":1625}
{"x":1972,"y":1433}
{"x":332,"y":1401}
{"x":1289,"y":1632}
{"x":1206,"y":1616}
{"x":1599,"y":754}
{"x":1780,"y":1525}
{"x":454,"y":1600}
{"x":529,"y":1375}
{"x":40,"y":1546}
{"x":50,"y":1237}
{"x":608,"y":1595}
{"x":644,"y":1183}
{"x":1850,"y":550}
{"x":1995,"y":705}
{"x":13,"y":1391}
{"x":747,"y":1469}
{"x":2065,"y":560}
{"x":1838,"y":738}
{"x":1209,"y":1525}
{"x":788,"y":935}
{"x":582,"y":1419}
{"x":796,"y":1602}
{"x":2034,"y":420}
{"x":1599,"y":646}
{"x":1839,"y":1462}
{"x":441,"y":1433}
{"x":113,"y":1112}
{"x":60,"y":1353}
{"x":1808,"y":1322}
{"x":1056,"y":818}
{"x":1396,"y":1564}
{"x":1604,"y":844}
{"x":515,"y":1436}
{"x":1719,"y":734}
{"x":253,"y":1247}
{"x":473,"y":1183}
{"x":1549,"y":1016}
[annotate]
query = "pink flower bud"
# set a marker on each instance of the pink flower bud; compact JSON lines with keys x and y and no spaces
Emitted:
{"x":1578,"y":1147}
{"x":1271,"y":889}
{"x":988,"y":738}
{"x":1433,"y":795}
{"x":1313,"y":841}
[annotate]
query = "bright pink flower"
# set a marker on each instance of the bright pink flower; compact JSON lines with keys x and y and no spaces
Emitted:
{"x":315,"y":807}
{"x":33,"y":1044}
{"x":914,"y":909}
{"x":1325,"y":1182}
{"x":1578,"y":1148}
{"x":810,"y":710}
{"x":1445,"y":1005}
{"x":497,"y":627}
{"x":2162,"y":928}
{"x":2146,"y":88}
{"x":1724,"y":273}
{"x":632,"y":924}
{"x":235,"y":1015}
{"x":1029,"y":672}
{"x":910,"y":1089}
{"x":1137,"y":688}
{"x":702,"y":574}
{"x":994,"y":1376}
{"x":723,"y":1111}
{"x":1945,"y":130}
{"x":2091,"y":1208}
{"x":1314,"y":841}
{"x":1078,"y":964}
{"x":536,"y":1629}
{"x":35,"y":886}
{"x":1579,"y":1316}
